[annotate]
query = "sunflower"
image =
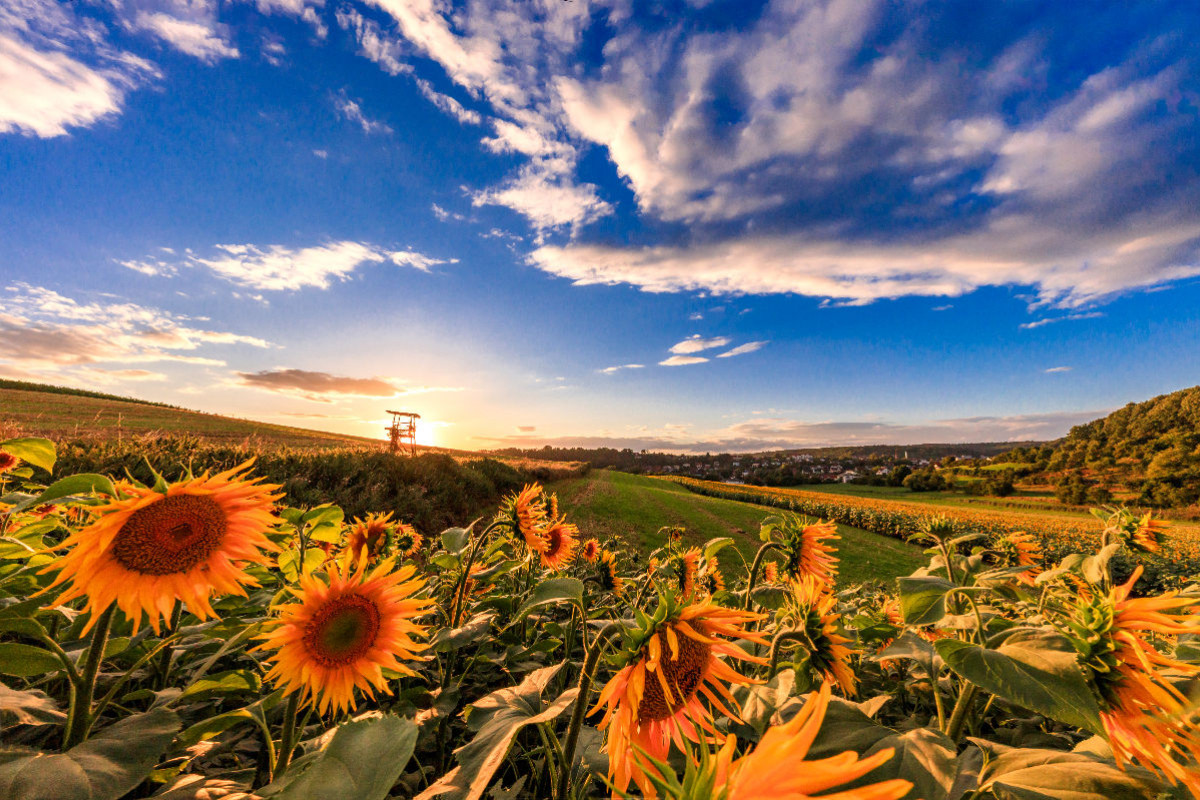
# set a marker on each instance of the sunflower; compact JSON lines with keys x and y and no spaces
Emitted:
{"x":369,"y":536}
{"x":561,"y":538}
{"x":685,"y":568}
{"x":591,"y":551}
{"x":525,"y":513}
{"x":149,"y":549}
{"x":812,"y":611}
{"x":407,"y":541}
{"x":657,"y":697}
{"x":1145,"y":716}
{"x":770,"y":572}
{"x":1142,"y":533}
{"x":712,"y":581}
{"x":8,"y":461}
{"x":776,"y":768}
{"x":1022,"y":550}
{"x":609,"y":579}
{"x":345,"y":631}
{"x":806,"y":549}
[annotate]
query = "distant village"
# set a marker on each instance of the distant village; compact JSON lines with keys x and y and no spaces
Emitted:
{"x":872,"y":464}
{"x":774,"y":469}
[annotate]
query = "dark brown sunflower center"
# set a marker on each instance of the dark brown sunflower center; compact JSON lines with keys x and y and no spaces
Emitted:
{"x":170,"y":535}
{"x":554,"y":539}
{"x":683,"y":675}
{"x":342,"y":631}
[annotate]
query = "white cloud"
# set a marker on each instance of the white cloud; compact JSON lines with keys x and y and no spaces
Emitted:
{"x":448,"y":104}
{"x":56,"y":334}
{"x":742,"y":349}
{"x":1057,"y":369}
{"x":1039,"y":323}
{"x":278,"y":268}
{"x":195,"y":38}
{"x":680,"y":361}
{"x":619,"y":367}
{"x":352,"y":111}
{"x":546,"y":197}
{"x":1066,"y":270}
{"x":506,"y":53}
{"x":386,"y":51}
{"x":443,"y":215}
{"x":321,"y":154}
{"x":153,"y":268}
{"x":782,"y":131}
{"x":695,"y":343}
{"x":43,"y":90}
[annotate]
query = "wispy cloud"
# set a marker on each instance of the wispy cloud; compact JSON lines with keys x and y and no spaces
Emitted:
{"x":384,"y":49}
{"x":618,"y":368}
{"x":680,"y":361}
{"x":1038,"y":323}
{"x":783,"y":123}
{"x":279,"y":268}
{"x":444,"y":216}
{"x":1057,"y":369}
{"x":352,"y":111}
{"x":742,"y":349}
{"x":448,"y":104}
{"x":56,"y":74}
{"x":323,"y":386}
{"x":195,"y":37}
{"x":544,"y":194}
{"x":47,"y":331}
{"x":696,"y":343}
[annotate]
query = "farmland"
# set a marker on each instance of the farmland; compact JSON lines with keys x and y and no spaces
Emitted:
{"x":631,"y":508}
{"x":59,"y":415}
{"x":512,"y":621}
{"x":1059,"y":534}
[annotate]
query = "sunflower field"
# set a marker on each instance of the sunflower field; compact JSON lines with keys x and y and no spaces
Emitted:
{"x":193,"y":638}
{"x":1059,"y":536}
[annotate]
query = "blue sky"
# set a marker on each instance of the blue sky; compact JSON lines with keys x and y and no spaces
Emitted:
{"x":687,"y":226}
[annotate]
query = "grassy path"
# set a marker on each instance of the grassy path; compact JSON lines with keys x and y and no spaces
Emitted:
{"x":607,"y":504}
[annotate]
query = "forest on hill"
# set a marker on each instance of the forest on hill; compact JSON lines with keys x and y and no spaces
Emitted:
{"x":1149,"y":449}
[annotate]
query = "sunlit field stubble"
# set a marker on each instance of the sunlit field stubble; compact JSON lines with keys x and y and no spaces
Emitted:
{"x":196,"y":637}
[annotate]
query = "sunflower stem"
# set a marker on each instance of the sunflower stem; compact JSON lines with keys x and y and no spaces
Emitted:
{"x":164,"y":658}
{"x":287,"y":739}
{"x":959,"y":715}
{"x":780,"y":638}
{"x":937,"y":700}
{"x":460,"y":588}
{"x":80,"y":720}
{"x":754,"y":567}
{"x":580,"y":709}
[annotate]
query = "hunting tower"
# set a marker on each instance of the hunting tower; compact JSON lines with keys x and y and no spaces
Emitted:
{"x":402,"y":433}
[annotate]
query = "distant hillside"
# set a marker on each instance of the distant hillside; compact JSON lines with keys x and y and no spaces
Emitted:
{"x":1149,"y":450}
{"x":60,"y":412}
{"x":47,"y":388}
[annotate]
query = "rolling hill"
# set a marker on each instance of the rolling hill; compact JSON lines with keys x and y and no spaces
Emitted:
{"x":1150,"y":450}
{"x":59,"y":412}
